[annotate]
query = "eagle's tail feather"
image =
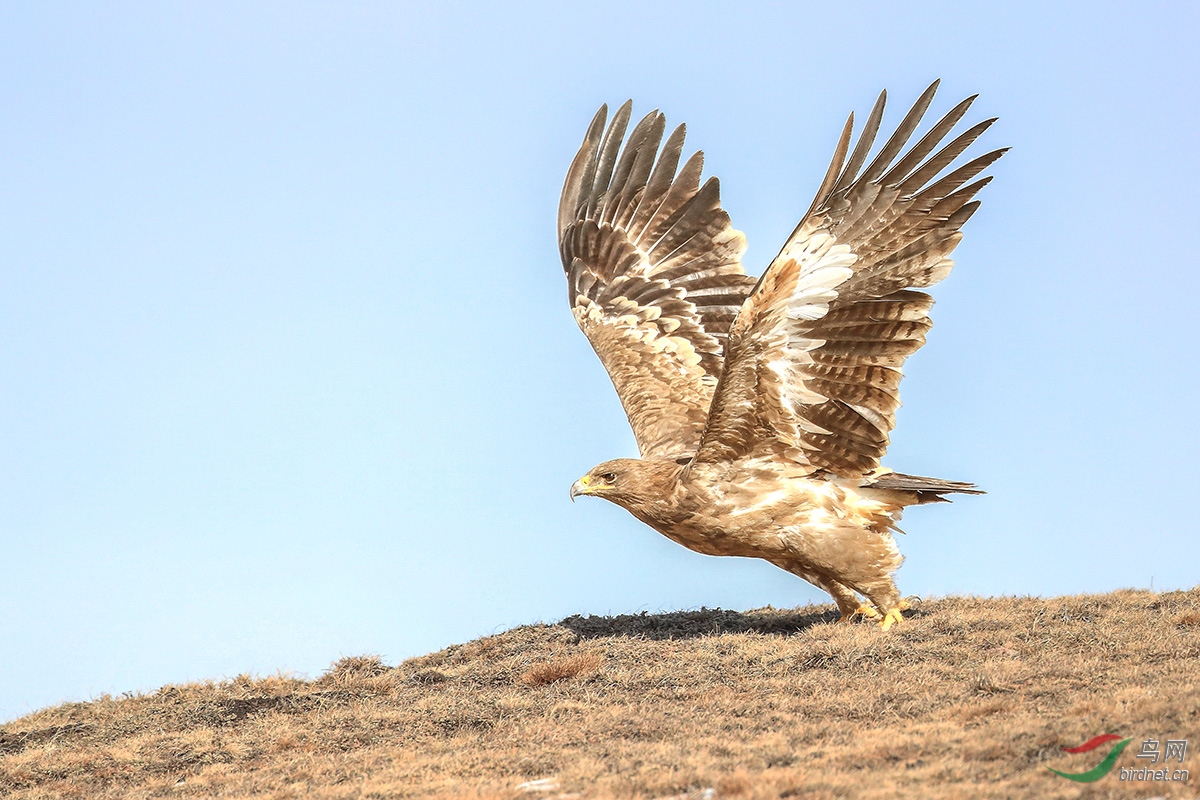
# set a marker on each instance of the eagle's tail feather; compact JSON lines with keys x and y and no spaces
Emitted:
{"x":929,"y":490}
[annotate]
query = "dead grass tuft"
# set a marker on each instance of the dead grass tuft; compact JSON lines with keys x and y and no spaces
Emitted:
{"x":560,"y":668}
{"x":969,"y":697}
{"x":734,"y":785}
{"x":428,"y":676}
{"x":354,"y":668}
{"x":985,"y":684}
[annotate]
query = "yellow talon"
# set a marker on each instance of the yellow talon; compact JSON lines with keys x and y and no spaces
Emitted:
{"x":891,"y":619}
{"x":865,"y":611}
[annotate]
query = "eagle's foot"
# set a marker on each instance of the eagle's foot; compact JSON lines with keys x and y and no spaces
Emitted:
{"x":892,"y":617}
{"x":864,"y":611}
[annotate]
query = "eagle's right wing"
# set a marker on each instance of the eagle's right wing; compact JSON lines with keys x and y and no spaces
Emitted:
{"x":654,"y":275}
{"x":814,"y":358}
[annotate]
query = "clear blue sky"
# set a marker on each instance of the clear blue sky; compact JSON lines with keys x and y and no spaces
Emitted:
{"x":286,"y":366}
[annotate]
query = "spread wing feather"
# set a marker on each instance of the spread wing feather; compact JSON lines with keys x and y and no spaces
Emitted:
{"x":654,"y":274}
{"x":814,"y":359}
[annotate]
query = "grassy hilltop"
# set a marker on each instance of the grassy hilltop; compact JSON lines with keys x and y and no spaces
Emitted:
{"x":969,"y":698}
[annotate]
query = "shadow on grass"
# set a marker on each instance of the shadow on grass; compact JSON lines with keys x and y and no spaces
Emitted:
{"x":704,"y":622}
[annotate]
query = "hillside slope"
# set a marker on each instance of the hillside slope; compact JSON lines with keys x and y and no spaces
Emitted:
{"x":969,"y":698}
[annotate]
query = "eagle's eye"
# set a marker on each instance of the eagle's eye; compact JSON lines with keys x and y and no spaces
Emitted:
{"x":609,"y":477}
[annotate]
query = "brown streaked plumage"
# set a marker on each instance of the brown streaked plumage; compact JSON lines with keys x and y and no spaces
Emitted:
{"x":762,"y":409}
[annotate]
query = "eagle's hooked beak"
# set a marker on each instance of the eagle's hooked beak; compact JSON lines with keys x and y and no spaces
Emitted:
{"x":580,"y":487}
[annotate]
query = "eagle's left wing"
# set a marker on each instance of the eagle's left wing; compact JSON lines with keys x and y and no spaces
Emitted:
{"x":654,"y":274}
{"x":814,"y":358}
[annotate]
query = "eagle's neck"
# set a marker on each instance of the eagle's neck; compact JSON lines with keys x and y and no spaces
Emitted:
{"x":653,"y":492}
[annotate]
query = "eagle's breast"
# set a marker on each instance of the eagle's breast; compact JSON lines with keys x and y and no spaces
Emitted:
{"x":763,"y":510}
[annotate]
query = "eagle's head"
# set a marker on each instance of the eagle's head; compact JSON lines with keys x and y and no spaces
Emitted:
{"x":628,"y":482}
{"x":605,"y":480}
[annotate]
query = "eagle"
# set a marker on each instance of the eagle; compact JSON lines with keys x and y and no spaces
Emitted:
{"x":762,"y":407}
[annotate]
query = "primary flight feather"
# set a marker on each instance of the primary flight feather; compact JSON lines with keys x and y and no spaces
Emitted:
{"x":761,"y":409}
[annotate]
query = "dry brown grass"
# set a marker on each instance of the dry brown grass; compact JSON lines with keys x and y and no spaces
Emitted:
{"x":559,"y":668}
{"x":969,"y":698}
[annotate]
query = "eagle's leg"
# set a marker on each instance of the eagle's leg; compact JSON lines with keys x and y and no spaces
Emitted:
{"x":883,"y":594}
{"x":848,"y":601}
